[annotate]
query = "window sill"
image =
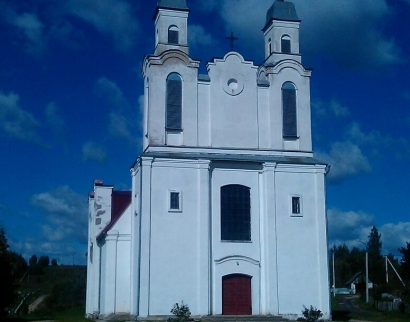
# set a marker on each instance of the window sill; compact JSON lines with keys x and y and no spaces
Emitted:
{"x":237,"y":241}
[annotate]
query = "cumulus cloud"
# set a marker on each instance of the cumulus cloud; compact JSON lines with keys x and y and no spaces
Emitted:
{"x":93,"y":151}
{"x":346,"y":160}
{"x":15,"y":122}
{"x":53,"y":117}
{"x":114,"y":18}
{"x":347,"y":227}
{"x":66,"y":214}
{"x":355,"y":41}
{"x":334,"y":109}
{"x":29,"y":28}
{"x":199,"y":37}
{"x":122,"y":118}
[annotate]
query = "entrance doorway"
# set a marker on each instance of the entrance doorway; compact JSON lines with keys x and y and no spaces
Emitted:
{"x":236,"y":295}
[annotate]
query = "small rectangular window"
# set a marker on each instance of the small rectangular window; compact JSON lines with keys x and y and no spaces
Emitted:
{"x":175,"y":201}
{"x":296,"y":206}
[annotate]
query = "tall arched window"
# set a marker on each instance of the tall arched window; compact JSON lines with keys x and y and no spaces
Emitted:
{"x":289,"y":111}
{"x":173,"y":35}
{"x":235,"y":213}
{"x":270,"y":46}
{"x":285,"y":45}
{"x":174,"y":102}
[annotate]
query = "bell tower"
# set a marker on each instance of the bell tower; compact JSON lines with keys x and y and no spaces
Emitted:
{"x":171,"y":26}
{"x":281,"y":32}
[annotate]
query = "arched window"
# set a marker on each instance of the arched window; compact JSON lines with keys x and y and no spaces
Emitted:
{"x":174,"y":102}
{"x":289,"y":110}
{"x":285,"y":45}
{"x":235,"y":213}
{"x":173,"y":35}
{"x":270,"y":46}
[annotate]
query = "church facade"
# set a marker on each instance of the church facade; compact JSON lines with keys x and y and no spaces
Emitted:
{"x":227,"y":208}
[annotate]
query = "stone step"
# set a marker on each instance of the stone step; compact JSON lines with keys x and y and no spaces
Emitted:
{"x":243,"y":318}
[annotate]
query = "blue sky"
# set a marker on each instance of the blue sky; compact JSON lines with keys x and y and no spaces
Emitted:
{"x":71,"y":93}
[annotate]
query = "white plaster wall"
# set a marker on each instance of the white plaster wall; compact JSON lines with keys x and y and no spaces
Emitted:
{"x":235,"y":257}
{"x":164,"y":19}
{"x":175,"y":238}
{"x":89,"y":307}
{"x":300,"y":264}
{"x":157,"y":75}
{"x":234,"y":120}
{"x":295,"y":73}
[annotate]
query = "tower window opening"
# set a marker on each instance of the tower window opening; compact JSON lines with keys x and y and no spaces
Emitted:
{"x":285,"y":44}
{"x":173,"y":35}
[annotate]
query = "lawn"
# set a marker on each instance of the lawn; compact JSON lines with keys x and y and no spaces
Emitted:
{"x":71,"y":315}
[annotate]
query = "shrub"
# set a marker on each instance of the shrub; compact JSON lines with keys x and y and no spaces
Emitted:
{"x":312,"y":314}
{"x":181,"y":312}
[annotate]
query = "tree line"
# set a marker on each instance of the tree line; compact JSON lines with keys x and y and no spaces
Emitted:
{"x":348,"y":262}
{"x":14,"y":267}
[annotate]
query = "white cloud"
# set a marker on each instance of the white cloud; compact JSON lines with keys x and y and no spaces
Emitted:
{"x":30,"y":26}
{"x":346,"y":160}
{"x":198,"y":37}
{"x":347,"y":227}
{"x":94,"y":152}
{"x":334,"y":107}
{"x":122,"y":118}
{"x":66,"y":214}
{"x":114,"y":18}
{"x":53,"y":117}
{"x":16,"y":122}
{"x":350,"y":31}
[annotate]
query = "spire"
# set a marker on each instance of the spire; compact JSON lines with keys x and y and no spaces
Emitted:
{"x":173,"y":4}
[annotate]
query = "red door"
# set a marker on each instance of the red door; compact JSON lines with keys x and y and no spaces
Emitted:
{"x":236,"y":295}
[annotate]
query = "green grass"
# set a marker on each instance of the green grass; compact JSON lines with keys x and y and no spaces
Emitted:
{"x":71,"y":315}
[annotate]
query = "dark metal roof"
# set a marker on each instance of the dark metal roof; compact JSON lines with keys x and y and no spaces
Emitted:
{"x":173,"y":4}
{"x":281,"y":10}
{"x":235,"y":157}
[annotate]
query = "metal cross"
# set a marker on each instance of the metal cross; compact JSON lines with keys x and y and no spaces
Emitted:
{"x":232,"y":38}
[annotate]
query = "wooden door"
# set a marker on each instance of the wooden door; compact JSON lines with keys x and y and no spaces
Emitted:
{"x":236,"y":295}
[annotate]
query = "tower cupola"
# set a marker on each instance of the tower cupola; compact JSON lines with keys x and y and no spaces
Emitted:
{"x":281,"y":32}
{"x":171,"y":26}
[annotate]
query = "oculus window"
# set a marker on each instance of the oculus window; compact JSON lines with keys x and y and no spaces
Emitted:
{"x":235,"y":213}
{"x":289,"y":111}
{"x":174,"y":102}
{"x":173,"y":35}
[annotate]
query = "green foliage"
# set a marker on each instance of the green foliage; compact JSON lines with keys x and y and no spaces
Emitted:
{"x":19,"y":265}
{"x":374,"y":244}
{"x":43,"y":261}
{"x":54,"y":262}
{"x":7,"y":294}
{"x":181,"y":312}
{"x":312,"y":314}
{"x":33,"y":260}
{"x":405,"y":261}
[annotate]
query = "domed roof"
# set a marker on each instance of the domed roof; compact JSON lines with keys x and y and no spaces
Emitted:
{"x":282,"y":10}
{"x":173,"y":4}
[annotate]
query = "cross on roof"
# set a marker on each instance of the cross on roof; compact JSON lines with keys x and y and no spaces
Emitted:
{"x":232,"y":38}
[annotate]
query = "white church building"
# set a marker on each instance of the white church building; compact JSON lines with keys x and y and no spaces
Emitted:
{"x":227,"y":208}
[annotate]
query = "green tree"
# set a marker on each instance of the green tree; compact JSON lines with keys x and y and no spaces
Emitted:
{"x":43,"y":261}
{"x":7,"y":294}
{"x":405,"y":261}
{"x":376,"y":261}
{"x":54,"y":262}
{"x":33,"y":260}
{"x":19,"y":264}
